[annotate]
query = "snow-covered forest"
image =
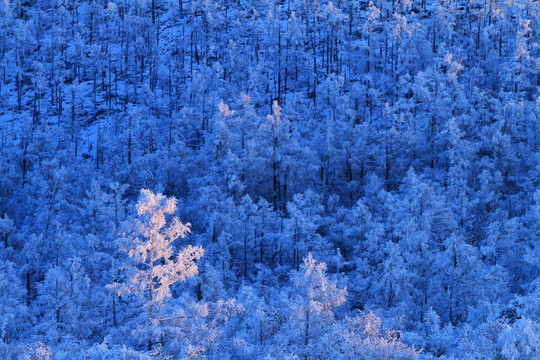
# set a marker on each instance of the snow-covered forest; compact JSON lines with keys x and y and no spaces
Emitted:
{"x":269,"y":179}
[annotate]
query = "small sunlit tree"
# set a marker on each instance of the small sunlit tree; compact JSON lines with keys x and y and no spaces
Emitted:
{"x":317,"y":297}
{"x":154,"y":267}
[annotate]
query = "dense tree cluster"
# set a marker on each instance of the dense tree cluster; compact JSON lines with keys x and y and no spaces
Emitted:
{"x":362,"y":175}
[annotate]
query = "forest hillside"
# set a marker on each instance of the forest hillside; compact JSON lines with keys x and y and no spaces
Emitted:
{"x":262,"y":179}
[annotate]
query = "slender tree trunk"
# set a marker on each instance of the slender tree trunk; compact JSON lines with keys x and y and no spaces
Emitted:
{"x":306,"y":342}
{"x":150,"y":300}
